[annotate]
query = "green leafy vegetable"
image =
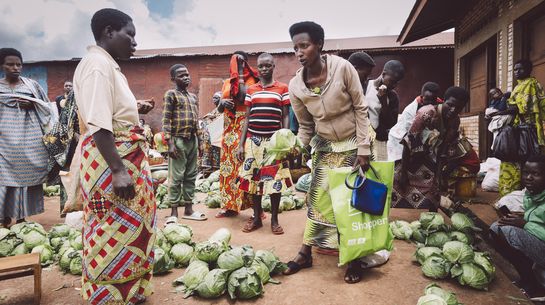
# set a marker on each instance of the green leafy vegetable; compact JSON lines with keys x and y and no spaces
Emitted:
{"x":437,"y":239}
{"x":423,"y":253}
{"x":214,"y":284}
{"x":436,"y":267}
{"x":401,"y":229}
{"x":181,"y":254}
{"x":244,"y":283}
{"x":458,"y":252}
{"x":431,"y":221}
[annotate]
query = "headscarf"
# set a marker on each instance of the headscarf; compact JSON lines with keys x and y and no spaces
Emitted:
{"x":250,"y":76}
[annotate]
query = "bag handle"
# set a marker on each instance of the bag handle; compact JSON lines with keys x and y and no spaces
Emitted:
{"x":359,"y":171}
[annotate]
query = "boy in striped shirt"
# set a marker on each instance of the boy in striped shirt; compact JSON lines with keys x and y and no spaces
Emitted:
{"x":268,"y":108}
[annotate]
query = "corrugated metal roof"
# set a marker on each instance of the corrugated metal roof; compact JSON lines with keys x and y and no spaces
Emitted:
{"x":441,"y":40}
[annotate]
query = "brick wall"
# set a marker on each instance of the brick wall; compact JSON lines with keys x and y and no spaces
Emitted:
{"x":480,"y":15}
{"x":469,"y":127}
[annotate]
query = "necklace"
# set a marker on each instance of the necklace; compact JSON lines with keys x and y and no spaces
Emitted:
{"x":318,"y":89}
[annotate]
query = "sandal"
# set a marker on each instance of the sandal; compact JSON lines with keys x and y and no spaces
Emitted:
{"x":325,"y":251}
{"x":294,"y":267}
{"x":263,"y":216}
{"x":277,"y":229}
{"x":251,"y":226}
{"x":171,"y":219}
{"x":353,"y":273}
{"x":226,"y":213}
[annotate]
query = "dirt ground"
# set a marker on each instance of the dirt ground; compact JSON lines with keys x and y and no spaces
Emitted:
{"x":399,"y":282}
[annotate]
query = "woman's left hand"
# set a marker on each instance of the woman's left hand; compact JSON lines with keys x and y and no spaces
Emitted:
{"x":24,"y":104}
{"x":363,"y":162}
{"x":513,"y":219}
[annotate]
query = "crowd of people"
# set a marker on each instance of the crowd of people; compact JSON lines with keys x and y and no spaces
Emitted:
{"x":344,"y":118}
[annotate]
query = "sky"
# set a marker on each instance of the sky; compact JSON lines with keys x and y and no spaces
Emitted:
{"x":60,"y":29}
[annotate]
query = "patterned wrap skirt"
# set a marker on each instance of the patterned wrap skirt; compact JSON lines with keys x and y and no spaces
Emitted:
{"x":233,"y":198}
{"x":118,"y":235}
{"x":320,"y":228}
{"x":262,"y":180}
{"x":422,"y":191}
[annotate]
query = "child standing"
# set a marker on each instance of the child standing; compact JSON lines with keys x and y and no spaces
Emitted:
{"x":268,"y":108}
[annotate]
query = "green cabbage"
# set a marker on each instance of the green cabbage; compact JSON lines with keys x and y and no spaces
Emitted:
{"x":466,"y":238}
{"x":423,"y":253}
{"x":461,"y":222}
{"x":244,"y":283}
{"x":472,"y":275}
{"x":8,"y":243}
{"x":59,"y":230}
{"x":303,"y":184}
{"x":236,"y":258}
{"x":436,"y":267}
{"x":431,"y":221}
{"x":431,"y":299}
{"x":214,"y":284}
{"x":76,"y":241}
{"x":46,"y":254}
{"x":57,"y":242}
{"x":181,"y":254}
{"x":221,"y":235}
{"x":213,"y":200}
{"x":66,"y":257}
{"x":33,"y":236}
{"x":281,"y":144}
{"x":448,"y":297}
{"x":401,"y":229}
{"x":419,"y":235}
{"x":177,"y":233}
{"x":214,"y":177}
{"x":215,"y":186}
{"x":299,"y":202}
{"x":76,"y":263}
{"x":458,"y":252}
{"x":209,"y":251}
{"x":483,"y":259}
{"x":262,"y":271}
{"x":287,"y":203}
{"x":163,"y":262}
{"x":270,"y":260}
{"x":415,"y":225}
{"x":4,"y":232}
{"x":437,"y":239}
{"x":193,"y":276}
{"x":20,"y":249}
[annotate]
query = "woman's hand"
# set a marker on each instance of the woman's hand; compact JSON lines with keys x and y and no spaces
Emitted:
{"x":123,"y":185}
{"x":24,"y":104}
{"x":240,"y":154}
{"x":363,"y":162}
{"x":145,"y":106}
{"x":513,"y":219}
{"x":228,"y":104}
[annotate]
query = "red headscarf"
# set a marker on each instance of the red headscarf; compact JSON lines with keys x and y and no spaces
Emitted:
{"x":250,"y":76}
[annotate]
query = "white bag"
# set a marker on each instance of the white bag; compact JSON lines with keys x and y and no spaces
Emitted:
{"x":75,"y":220}
{"x":513,"y":201}
{"x":491,"y":180}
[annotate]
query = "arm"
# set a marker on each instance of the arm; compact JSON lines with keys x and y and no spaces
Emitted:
{"x":286,"y":117}
{"x":305,"y":119}
{"x":360,"y":111}
{"x":513,"y":110}
{"x":168,"y":111}
{"x":389,"y":113}
{"x":242,"y":142}
{"x":121,"y":180}
{"x":145,"y":106}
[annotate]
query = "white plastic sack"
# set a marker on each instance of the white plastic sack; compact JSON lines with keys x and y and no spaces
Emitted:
{"x":492,"y":178}
{"x":375,"y":259}
{"x":75,"y":220}
{"x":513,"y":201}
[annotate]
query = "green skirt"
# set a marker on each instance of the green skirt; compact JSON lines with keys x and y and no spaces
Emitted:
{"x":320,"y":229}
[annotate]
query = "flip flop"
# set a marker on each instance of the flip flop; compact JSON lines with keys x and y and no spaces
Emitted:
{"x":198,"y":216}
{"x":171,"y":219}
{"x":226,"y":213}
{"x":277,"y":230}
{"x":263,"y":216}
{"x":251,"y":226}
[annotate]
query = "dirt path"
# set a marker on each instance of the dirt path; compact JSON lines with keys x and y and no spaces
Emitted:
{"x":399,"y":282}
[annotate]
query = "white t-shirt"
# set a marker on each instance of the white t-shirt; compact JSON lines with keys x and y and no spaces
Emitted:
{"x":102,"y":93}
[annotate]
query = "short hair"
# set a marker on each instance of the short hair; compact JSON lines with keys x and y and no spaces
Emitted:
{"x":265,"y":55}
{"x":244,"y":54}
{"x":540,"y":159}
{"x":67,"y":81}
{"x":394,"y":66}
{"x":173,"y":69}
{"x":314,"y":30}
{"x":5,"y":52}
{"x":361,"y":59}
{"x":527,"y":64}
{"x":431,"y":86}
{"x":459,"y":93}
{"x":108,"y":17}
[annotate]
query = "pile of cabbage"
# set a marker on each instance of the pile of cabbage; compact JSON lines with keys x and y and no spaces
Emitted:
{"x":173,"y":247}
{"x":435,"y":295}
{"x":52,"y":190}
{"x":216,"y":268}
{"x":282,"y":143}
{"x":62,"y":244}
{"x":446,"y":250}
{"x":160,"y":196}
{"x":289,"y":201}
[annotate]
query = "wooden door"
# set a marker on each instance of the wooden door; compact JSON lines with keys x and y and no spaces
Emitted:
{"x":536,"y":47}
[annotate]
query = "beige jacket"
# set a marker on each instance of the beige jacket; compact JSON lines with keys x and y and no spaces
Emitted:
{"x":339,"y":112}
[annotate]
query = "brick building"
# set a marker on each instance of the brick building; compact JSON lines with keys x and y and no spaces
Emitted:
{"x":425,"y":59}
{"x":490,"y":36}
